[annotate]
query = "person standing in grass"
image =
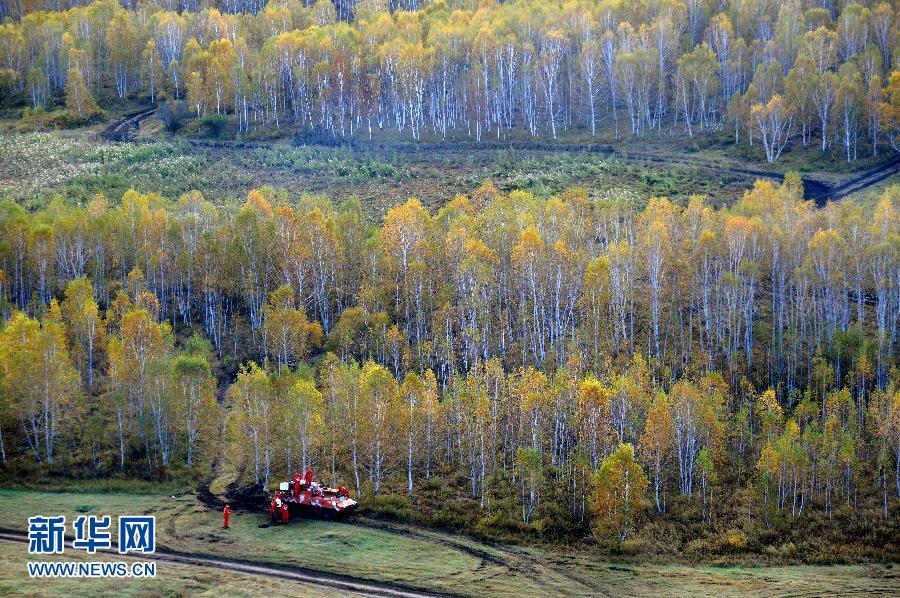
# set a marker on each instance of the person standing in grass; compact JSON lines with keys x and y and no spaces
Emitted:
{"x":227,"y":513}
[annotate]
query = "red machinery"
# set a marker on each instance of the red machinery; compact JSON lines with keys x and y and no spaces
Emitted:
{"x":306,"y":497}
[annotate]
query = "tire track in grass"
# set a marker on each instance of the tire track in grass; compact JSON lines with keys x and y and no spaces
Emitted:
{"x":515,"y":560}
{"x":341,"y":583}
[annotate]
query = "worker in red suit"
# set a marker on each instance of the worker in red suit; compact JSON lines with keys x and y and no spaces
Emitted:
{"x":276,"y":511}
{"x":272,"y":510}
{"x":227,"y":513}
{"x":284,"y":512}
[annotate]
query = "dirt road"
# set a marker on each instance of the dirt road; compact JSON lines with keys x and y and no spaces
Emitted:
{"x":121,"y":130}
{"x":332,"y":582}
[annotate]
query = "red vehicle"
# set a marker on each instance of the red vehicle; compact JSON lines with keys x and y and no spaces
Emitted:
{"x":306,"y":497}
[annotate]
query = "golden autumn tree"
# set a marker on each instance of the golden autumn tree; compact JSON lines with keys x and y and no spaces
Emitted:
{"x":378,"y":394}
{"x":132,"y":356}
{"x":38,"y":381}
{"x":289,"y":335}
{"x":889,"y":110}
{"x":197,"y":93}
{"x":412,"y":395}
{"x":767,"y":469}
{"x":152,"y":72}
{"x":85,"y":325}
{"x":595,"y":302}
{"x":770,"y":414}
{"x":404,"y":238}
{"x":79,"y":101}
{"x":657,"y":441}
{"x":306,"y":413}
{"x":884,"y":420}
{"x":620,"y":485}
{"x":593,"y":418}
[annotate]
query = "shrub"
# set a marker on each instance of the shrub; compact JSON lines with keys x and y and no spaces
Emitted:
{"x":495,"y":523}
{"x":65,"y":119}
{"x":699,"y":547}
{"x":173,"y":114}
{"x":393,"y":506}
{"x":787,"y":550}
{"x":632,"y":547}
{"x":733,"y":541}
{"x":34,"y":119}
{"x":214,"y":125}
{"x":37,"y":119}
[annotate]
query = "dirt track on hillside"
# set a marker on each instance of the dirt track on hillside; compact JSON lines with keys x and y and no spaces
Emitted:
{"x":123,"y":129}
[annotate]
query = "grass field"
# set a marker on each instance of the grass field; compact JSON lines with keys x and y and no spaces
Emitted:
{"x":407,"y":555}
{"x":41,"y":166}
{"x":171,"y":580}
{"x":74,"y":165}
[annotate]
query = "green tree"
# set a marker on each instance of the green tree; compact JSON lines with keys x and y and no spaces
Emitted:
{"x":196,"y":408}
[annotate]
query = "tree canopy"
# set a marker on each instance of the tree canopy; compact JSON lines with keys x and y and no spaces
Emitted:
{"x":773,"y":74}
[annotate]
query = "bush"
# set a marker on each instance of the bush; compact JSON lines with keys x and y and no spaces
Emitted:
{"x":37,"y":119}
{"x":34,"y":119}
{"x":733,"y":541}
{"x":496,"y":524}
{"x":173,"y":114}
{"x":393,"y":506}
{"x":66,"y":119}
{"x":214,"y":125}
{"x":632,"y":547}
{"x":699,"y":548}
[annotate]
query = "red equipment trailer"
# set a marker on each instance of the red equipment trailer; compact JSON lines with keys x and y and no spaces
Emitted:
{"x":306,"y":497}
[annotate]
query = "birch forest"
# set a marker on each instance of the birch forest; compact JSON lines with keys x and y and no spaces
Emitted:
{"x":403,"y":243}
{"x":567,"y":358}
{"x":772,"y":75}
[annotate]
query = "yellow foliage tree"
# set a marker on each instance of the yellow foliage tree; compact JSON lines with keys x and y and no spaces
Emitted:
{"x":79,"y":101}
{"x":620,"y":485}
{"x":38,"y":379}
{"x":889,"y":110}
{"x":657,"y":441}
{"x":289,"y":335}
